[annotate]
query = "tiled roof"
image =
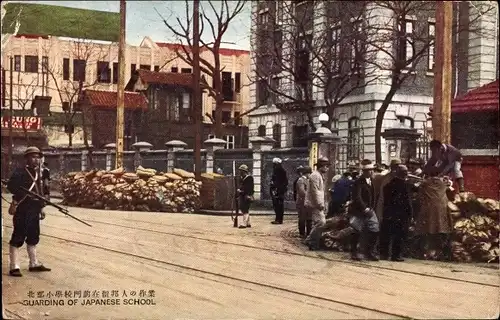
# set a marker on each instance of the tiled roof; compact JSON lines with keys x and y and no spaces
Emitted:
{"x":107,"y":99}
{"x":170,"y":78}
{"x":484,"y":98}
{"x":222,"y":51}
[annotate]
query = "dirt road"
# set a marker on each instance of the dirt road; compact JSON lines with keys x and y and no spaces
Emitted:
{"x":134,"y":265}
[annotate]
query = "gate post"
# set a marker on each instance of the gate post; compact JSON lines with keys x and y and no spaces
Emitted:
{"x":213,"y":145}
{"x":109,"y":148}
{"x":259,"y":146}
{"x":172,"y":147}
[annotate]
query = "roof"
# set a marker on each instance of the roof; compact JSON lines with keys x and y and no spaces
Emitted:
{"x":107,"y":99}
{"x":168,"y":78}
{"x":484,"y":98}
{"x":222,"y":51}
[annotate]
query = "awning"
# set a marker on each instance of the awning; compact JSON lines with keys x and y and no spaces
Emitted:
{"x":482,"y":99}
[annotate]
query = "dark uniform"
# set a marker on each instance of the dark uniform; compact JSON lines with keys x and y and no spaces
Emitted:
{"x":26,"y":212}
{"x":279,"y":184}
{"x":246,"y":191}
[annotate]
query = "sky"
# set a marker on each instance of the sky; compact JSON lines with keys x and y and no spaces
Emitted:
{"x":143,"y":20}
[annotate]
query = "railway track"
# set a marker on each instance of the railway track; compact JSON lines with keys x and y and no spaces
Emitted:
{"x":311,"y":255}
{"x":221,"y":275}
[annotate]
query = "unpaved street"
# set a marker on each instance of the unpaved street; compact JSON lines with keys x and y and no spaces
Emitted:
{"x":199,"y":267}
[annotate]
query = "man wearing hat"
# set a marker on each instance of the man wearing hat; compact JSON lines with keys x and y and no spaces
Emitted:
{"x":245,"y":193}
{"x":315,"y":202}
{"x":379,"y":182}
{"x":448,"y":159}
{"x":279,"y":184}
{"x":363,"y":218}
{"x":27,"y":212}
{"x":305,"y":222}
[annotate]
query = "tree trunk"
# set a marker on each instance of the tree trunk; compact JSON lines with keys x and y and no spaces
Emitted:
{"x":70,"y":139}
{"x":90,"y":158}
{"x":380,"y":120}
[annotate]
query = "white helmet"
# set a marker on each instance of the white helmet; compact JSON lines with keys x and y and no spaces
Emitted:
{"x":277,"y":160}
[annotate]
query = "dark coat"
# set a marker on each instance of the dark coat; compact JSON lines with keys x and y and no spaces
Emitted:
{"x":22,"y":178}
{"x":247,"y":186}
{"x":397,"y":200}
{"x":363,"y":197}
{"x":279,"y":182}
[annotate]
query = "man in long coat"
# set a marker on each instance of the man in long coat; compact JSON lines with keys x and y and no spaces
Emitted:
{"x":279,"y":184}
{"x":305,"y":222}
{"x":315,"y":202}
{"x":245,"y":194}
{"x":379,"y":182}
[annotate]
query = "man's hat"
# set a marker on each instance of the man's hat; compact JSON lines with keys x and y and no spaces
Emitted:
{"x":300,"y":169}
{"x":32,"y":150}
{"x":243,"y":167}
{"x":367,"y":165}
{"x":306,"y":170}
{"x":322,"y":162}
{"x":395,"y":162}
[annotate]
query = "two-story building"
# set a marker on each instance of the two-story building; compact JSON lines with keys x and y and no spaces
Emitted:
{"x":311,"y":38}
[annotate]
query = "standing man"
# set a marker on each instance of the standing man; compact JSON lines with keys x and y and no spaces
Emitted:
{"x":46,"y":180}
{"x":27,"y":212}
{"x":397,"y":215}
{"x":340,"y":194}
{"x":315,"y":202}
{"x":279,"y":184}
{"x":305,"y":222}
{"x":379,"y":182}
{"x":447,"y":159}
{"x":363,"y":218}
{"x":300,"y":173}
{"x":245,"y":193}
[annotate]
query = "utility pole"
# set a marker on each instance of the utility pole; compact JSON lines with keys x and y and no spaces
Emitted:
{"x":11,"y":111}
{"x":120,"y":108}
{"x":197,"y":107}
{"x":441,"y":119}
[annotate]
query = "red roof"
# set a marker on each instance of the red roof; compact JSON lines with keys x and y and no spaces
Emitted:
{"x":169,"y":78}
{"x":107,"y":99}
{"x":222,"y":51}
{"x":484,"y":98}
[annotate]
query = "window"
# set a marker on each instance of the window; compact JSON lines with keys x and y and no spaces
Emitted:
{"x":261,"y":131}
{"x":186,"y":100}
{"x":133,"y":67}
{"x":237,"y":119}
{"x":432,"y":47}
{"x":31,"y":64}
{"x":277,"y":135}
{"x":262,"y":92}
{"x":275,"y":85}
{"x":65,"y":106}
{"x":174,"y":69}
{"x":299,"y":136}
{"x":335,"y":125}
{"x":302,"y":58}
{"x":226,"y":116}
{"x":157,"y":68}
{"x":65,"y":69}
{"x":405,"y":45}
{"x":229,"y":141}
{"x":227,"y":86}
{"x":115,"y":72}
{"x":279,"y":12}
{"x":264,"y":18}
{"x":353,"y":139}
{"x":237,"y":82}
{"x":17,"y":63}
{"x":79,"y":70}
{"x":356,"y":49}
{"x":144,"y":67}
{"x":103,"y":72}
{"x":406,"y":121}
{"x":185,"y":70}
{"x":335,"y":45}
{"x":278,"y":48}
{"x":45,"y":64}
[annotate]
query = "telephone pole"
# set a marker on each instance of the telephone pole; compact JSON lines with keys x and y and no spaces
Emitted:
{"x":120,"y":108}
{"x":197,"y":107}
{"x":441,"y":119}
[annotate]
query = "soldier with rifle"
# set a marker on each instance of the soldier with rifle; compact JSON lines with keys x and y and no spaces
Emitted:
{"x":27,"y":212}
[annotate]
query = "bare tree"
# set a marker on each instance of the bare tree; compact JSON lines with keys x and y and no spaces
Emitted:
{"x":69,"y":87}
{"x":405,"y":37}
{"x":293,"y":52}
{"x":24,"y":95}
{"x":225,"y":12}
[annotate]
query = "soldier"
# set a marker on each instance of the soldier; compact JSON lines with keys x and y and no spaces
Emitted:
{"x":305,"y":222}
{"x":27,"y":212}
{"x":315,"y":202}
{"x":279,"y":184}
{"x":245,"y":193}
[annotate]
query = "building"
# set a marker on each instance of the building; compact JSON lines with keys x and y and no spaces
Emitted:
{"x":63,"y":67}
{"x":304,"y":50}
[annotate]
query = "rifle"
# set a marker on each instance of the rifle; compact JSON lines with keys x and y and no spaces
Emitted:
{"x":48,"y":202}
{"x":235,"y":200}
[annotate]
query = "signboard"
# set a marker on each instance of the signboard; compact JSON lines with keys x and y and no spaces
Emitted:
{"x":23,"y":123}
{"x":313,"y":154}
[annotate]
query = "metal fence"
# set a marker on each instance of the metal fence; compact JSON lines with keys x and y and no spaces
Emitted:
{"x":224,"y":160}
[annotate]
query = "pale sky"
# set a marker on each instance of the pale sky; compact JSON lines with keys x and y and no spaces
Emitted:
{"x":142,"y":20}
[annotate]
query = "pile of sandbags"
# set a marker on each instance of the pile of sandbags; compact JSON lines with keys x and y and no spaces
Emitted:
{"x":144,"y":190}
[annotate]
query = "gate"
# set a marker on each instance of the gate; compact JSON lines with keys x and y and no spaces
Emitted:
{"x":351,"y":150}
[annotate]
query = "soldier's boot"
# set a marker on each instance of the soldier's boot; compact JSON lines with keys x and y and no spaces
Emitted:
{"x":371,"y":245}
{"x":35,"y":265}
{"x":15,"y":271}
{"x":461,"y":185}
{"x":354,"y":247}
{"x":343,"y":233}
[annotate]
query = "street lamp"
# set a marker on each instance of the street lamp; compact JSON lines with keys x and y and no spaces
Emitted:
{"x":323,"y":119}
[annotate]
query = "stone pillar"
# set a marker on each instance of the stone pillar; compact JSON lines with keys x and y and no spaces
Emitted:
{"x":212,"y":145}
{"x":110,"y":147}
{"x":85,"y":158}
{"x":140,"y":147}
{"x":259,"y":146}
{"x":172,"y":147}
{"x":62,"y":165}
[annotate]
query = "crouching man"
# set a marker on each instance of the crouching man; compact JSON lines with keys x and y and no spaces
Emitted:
{"x":26,"y":211}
